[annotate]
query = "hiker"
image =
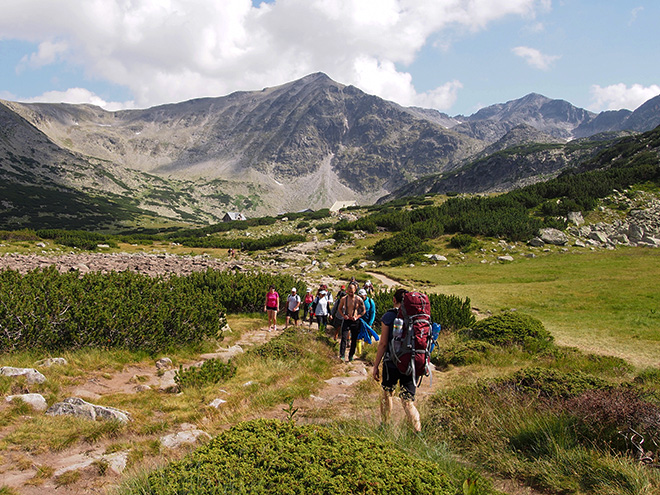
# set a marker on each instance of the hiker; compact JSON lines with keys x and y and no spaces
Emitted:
{"x":369,"y":314}
{"x":368,"y":287}
{"x":321,"y":306}
{"x":351,"y":308}
{"x":335,"y":315}
{"x":271,"y":307}
{"x":391,"y":374}
{"x":292,"y":308}
{"x":307,"y":304}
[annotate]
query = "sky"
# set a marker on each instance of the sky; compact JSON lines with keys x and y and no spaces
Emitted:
{"x":452,"y":55}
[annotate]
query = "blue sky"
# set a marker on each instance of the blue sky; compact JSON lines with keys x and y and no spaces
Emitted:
{"x":453,"y":55}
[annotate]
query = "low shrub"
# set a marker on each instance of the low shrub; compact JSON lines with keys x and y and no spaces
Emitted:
{"x":464,"y":242}
{"x":607,"y":416}
{"x":211,"y":371}
{"x":546,"y":382}
{"x":513,"y":328}
{"x":461,"y":353}
{"x":287,"y":345}
{"x":267,"y":456}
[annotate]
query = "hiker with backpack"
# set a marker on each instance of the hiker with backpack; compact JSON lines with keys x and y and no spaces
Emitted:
{"x":307,"y":304}
{"x":404,"y":348}
{"x":335,"y":315}
{"x":292,"y":308}
{"x":351,"y":308}
{"x":369,"y":315}
{"x":321,"y":307}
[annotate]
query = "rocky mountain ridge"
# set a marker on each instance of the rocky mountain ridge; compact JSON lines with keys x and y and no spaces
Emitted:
{"x":301,"y":145}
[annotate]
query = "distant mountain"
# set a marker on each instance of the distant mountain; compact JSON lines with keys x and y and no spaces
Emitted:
{"x":304,"y":144}
{"x":557,"y":118}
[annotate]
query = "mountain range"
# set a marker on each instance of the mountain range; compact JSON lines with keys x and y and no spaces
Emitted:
{"x":301,"y":145}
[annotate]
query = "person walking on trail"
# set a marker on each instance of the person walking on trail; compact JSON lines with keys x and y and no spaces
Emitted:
{"x":321,"y":309}
{"x":369,"y":314}
{"x":307,"y":304}
{"x":292,"y":308}
{"x":351,"y":308}
{"x":335,"y":315}
{"x":271,"y":307}
{"x":391,"y":374}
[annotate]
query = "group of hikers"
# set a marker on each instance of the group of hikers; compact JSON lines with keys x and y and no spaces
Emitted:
{"x":352,"y":313}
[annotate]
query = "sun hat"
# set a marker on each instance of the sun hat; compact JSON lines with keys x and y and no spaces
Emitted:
{"x":323,"y":293}
{"x":293,"y":290}
{"x":309,"y":290}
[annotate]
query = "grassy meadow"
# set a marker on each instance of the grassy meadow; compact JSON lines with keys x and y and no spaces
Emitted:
{"x":605,"y":302}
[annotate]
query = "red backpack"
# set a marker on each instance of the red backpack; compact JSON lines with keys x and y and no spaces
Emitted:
{"x":410,"y":345}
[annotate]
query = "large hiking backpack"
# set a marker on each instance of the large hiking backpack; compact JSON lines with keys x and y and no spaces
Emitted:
{"x":411,"y":342}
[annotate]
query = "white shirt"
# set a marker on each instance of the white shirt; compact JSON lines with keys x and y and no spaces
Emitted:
{"x":293,"y":300}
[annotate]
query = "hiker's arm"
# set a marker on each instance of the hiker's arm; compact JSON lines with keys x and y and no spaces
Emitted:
{"x":361,"y":310}
{"x":382,"y":347}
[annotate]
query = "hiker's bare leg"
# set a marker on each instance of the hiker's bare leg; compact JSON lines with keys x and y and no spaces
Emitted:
{"x":386,"y":406}
{"x":413,"y":414}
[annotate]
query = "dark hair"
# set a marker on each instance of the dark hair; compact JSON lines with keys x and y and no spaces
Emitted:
{"x":398,"y":295}
{"x":271,"y":287}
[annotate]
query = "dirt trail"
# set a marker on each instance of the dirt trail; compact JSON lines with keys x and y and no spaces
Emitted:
{"x":384,"y":279}
{"x":350,"y":393}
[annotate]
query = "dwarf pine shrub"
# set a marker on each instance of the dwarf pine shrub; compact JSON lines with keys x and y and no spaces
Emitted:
{"x":267,"y":456}
{"x":546,"y":382}
{"x":513,"y":328}
{"x":211,"y":371}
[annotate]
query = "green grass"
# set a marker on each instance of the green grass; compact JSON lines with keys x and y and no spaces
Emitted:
{"x":606,"y":302}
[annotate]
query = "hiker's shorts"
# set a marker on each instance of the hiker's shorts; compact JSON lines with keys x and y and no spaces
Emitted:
{"x":392,"y":376}
{"x":295,"y":315}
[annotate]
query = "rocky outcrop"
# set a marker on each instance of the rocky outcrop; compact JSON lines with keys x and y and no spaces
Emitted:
{"x":31,"y":375}
{"x":74,"y":406}
{"x":35,"y":401}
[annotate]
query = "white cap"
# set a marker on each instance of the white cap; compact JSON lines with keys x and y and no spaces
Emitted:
{"x":309,"y":290}
{"x":323,"y":293}
{"x":293,"y":290}
{"x":362,"y":292}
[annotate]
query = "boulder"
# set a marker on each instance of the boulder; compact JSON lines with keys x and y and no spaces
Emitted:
{"x":217,"y":403}
{"x":36,"y":401}
{"x":164,"y":364}
{"x":186,"y":437}
{"x":166,"y":382}
{"x":75,"y":406}
{"x":553,"y":236}
{"x":505,"y":258}
{"x":635,"y":232}
{"x":576,"y":218}
{"x":579,"y":243}
{"x":536,"y":242}
{"x":599,"y":237}
{"x":30,"y":374}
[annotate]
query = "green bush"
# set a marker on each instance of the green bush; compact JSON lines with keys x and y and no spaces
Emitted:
{"x":513,"y":328}
{"x":267,"y":456}
{"x":551,"y":383}
{"x":211,"y":371}
{"x":47,"y":310}
{"x":287,"y":345}
{"x":461,"y":353}
{"x":464,"y":242}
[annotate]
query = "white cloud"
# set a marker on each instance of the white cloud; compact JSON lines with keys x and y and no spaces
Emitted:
{"x":78,"y":96}
{"x":618,"y":96}
{"x":633,"y":15}
{"x":47,"y":53}
{"x":172,"y":50}
{"x":534,"y":57}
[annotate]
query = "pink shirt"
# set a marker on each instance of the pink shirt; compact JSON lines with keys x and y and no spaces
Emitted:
{"x":271,"y":299}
